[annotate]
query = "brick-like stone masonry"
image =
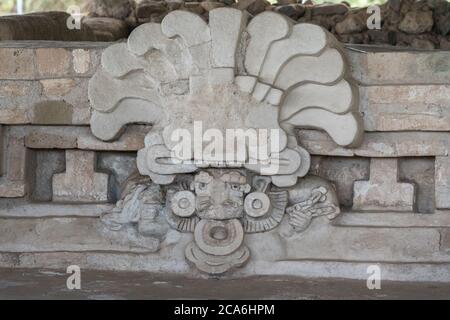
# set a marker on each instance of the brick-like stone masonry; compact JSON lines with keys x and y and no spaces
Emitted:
{"x":401,"y":167}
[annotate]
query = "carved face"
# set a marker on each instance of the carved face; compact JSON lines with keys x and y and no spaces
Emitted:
{"x":220,"y":195}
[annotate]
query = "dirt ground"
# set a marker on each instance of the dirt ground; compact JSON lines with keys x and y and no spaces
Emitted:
{"x":100,"y":285}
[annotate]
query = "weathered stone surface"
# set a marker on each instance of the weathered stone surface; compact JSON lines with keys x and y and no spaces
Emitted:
{"x":81,"y":60}
{"x":42,"y":26}
{"x":80,"y":182}
{"x":53,"y":62}
{"x":46,"y":164}
{"x":417,"y":22}
{"x":107,"y":29}
{"x":445,"y":240}
{"x":210,"y":5}
{"x":423,"y":44}
{"x":131,"y":140}
{"x":57,"y":87}
{"x":342,"y":172}
{"x":261,"y":37}
{"x":16,"y":63}
{"x":442,"y":177}
{"x":383,"y":192}
{"x":353,"y":22}
{"x":365,"y":244}
{"x":406,"y":108}
{"x":49,"y":101}
{"x":330,"y":9}
{"x":64,"y":234}
{"x":59,"y":137}
{"x":15,"y":161}
{"x":384,"y":66}
{"x":393,"y":220}
{"x":146,"y":8}
{"x":49,"y":140}
{"x":405,"y":69}
{"x":289,"y":62}
{"x":52,"y":112}
{"x":12,"y":189}
{"x":380,"y":144}
{"x":15,"y":96}
{"x":41,"y":210}
{"x":226,"y":26}
{"x":122,"y":166}
{"x":119,"y":9}
{"x":420,"y":171}
{"x":293,"y":11}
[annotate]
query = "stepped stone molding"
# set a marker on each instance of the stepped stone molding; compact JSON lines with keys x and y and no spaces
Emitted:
{"x":80,"y":182}
{"x":226,"y":74}
{"x":383,"y":191}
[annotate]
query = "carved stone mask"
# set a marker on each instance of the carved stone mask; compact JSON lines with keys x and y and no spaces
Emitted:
{"x":220,"y":196}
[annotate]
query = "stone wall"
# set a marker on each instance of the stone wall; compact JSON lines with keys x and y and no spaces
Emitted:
{"x":423,"y":24}
{"x":57,"y":178}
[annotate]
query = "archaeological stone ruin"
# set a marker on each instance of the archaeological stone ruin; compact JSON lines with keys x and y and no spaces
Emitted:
{"x":122,"y":150}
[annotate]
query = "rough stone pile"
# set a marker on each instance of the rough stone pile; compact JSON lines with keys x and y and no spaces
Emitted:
{"x":423,"y":24}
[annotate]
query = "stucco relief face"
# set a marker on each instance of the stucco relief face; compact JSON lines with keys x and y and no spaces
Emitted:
{"x":227,"y":74}
{"x":220,"y":195}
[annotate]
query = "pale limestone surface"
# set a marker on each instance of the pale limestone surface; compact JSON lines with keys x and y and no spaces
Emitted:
{"x":383,"y":191}
{"x":442,"y":178}
{"x":80,"y":182}
{"x":14,"y":162}
{"x":406,"y":108}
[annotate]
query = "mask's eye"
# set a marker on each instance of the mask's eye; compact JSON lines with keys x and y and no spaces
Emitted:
{"x":235,"y":187}
{"x":202,"y":186}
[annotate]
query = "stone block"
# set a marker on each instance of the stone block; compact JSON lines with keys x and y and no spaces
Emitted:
{"x":12,"y":189}
{"x":16,"y":63}
{"x":326,"y":242}
{"x":16,"y":158}
{"x":53,"y":62}
{"x":64,"y":234}
{"x":406,"y":108}
{"x":52,"y":112}
{"x":420,"y":171}
{"x":16,"y":97}
{"x":15,"y":155}
{"x":48,"y":162}
{"x":81,"y":59}
{"x":380,"y":144}
{"x":131,"y":140}
{"x":442,"y":178}
{"x":51,"y":209}
{"x":393,"y":220}
{"x":49,"y":140}
{"x":107,"y":29}
{"x":80,"y":182}
{"x":372,"y":66}
{"x":50,"y":25}
{"x":445,"y":240}
{"x":383,"y":192}
{"x":57,"y":87}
